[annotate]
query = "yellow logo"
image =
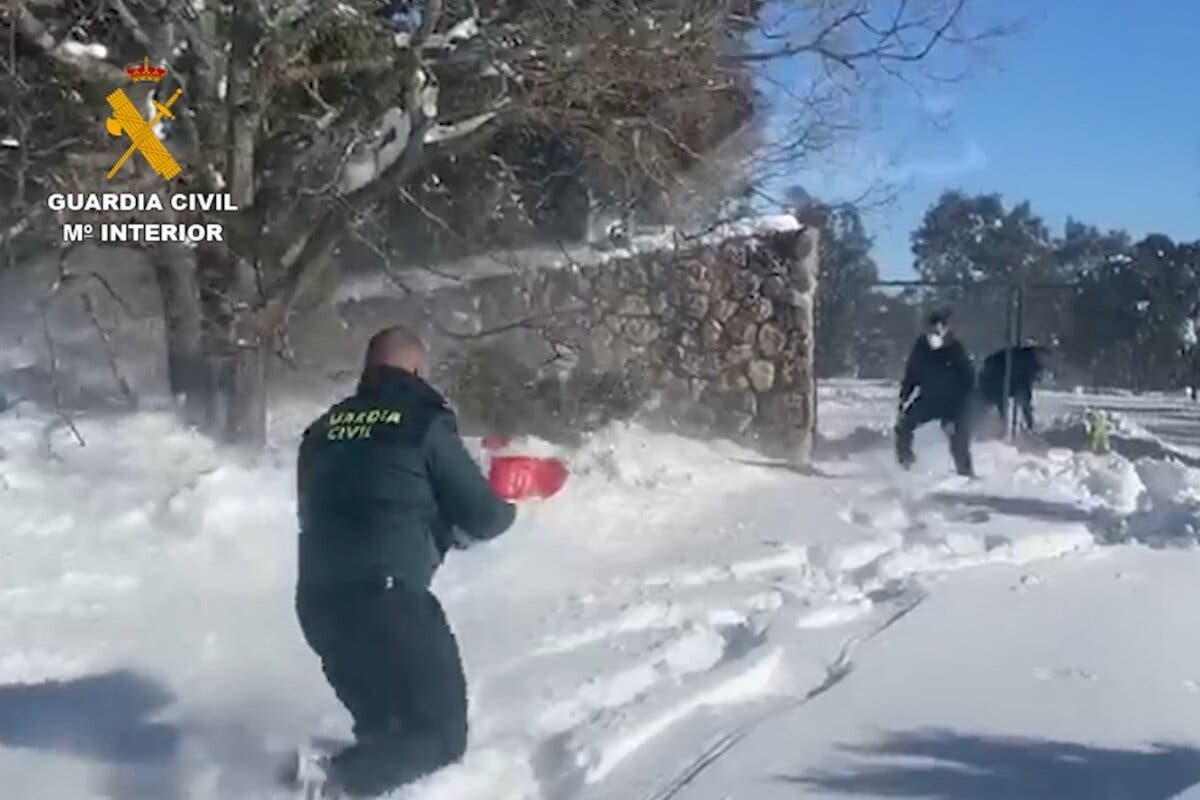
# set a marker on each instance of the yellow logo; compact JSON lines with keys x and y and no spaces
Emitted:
{"x":346,"y":425}
{"x":127,"y":119}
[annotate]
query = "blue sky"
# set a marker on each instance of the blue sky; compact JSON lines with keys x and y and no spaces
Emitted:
{"x":1092,"y":111}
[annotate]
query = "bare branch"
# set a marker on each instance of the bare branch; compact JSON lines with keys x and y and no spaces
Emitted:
{"x":110,"y":354}
{"x":55,"y":388}
{"x":67,"y":278}
{"x":133,"y":26}
{"x":389,"y":270}
{"x":888,"y":43}
{"x":525,"y":322}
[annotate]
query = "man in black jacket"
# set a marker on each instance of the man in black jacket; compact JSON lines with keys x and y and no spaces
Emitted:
{"x":937,"y":385}
{"x":1026,"y":366}
{"x":385,"y":488}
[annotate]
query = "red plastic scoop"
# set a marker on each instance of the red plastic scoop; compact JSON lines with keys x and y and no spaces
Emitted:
{"x":526,"y":477}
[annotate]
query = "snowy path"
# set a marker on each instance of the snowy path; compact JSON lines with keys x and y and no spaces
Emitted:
{"x":671,"y":594}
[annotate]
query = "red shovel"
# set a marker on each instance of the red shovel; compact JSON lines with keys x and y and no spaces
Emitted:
{"x":526,"y":477}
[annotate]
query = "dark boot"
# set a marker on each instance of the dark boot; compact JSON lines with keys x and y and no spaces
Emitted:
{"x":377,"y":765}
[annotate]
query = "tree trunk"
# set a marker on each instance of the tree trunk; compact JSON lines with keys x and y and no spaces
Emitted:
{"x":239,"y":340}
{"x":246,"y":418}
{"x":188,"y":372}
{"x":235,"y":350}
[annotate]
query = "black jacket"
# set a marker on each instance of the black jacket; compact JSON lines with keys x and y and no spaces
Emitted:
{"x":945,"y":376}
{"x":383,"y":480}
{"x":1027,"y":369}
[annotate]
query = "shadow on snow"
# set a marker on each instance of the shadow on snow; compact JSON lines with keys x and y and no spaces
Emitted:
{"x":1031,"y":507}
{"x":945,"y":765}
{"x":102,"y":717}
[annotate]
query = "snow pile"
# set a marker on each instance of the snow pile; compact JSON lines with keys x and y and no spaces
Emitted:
{"x":631,"y":455}
{"x":150,"y":554}
{"x":1169,"y":511}
{"x":1097,"y":481}
{"x":1149,"y":488}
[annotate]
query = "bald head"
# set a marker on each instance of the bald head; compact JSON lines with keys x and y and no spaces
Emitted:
{"x":397,"y":347}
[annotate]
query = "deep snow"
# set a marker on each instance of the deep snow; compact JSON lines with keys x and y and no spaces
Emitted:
{"x":958,"y":639}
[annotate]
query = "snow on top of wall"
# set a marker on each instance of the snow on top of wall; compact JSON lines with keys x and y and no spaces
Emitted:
{"x":83,"y":50}
{"x":444,"y":275}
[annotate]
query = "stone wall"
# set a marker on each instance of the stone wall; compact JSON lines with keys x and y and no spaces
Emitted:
{"x":723,"y":327}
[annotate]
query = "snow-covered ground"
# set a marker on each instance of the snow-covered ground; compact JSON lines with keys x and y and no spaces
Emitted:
{"x":680,"y":621}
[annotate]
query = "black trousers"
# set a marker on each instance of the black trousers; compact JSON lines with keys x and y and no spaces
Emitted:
{"x":394,"y":663}
{"x":1023,"y":401}
{"x":956,"y":423}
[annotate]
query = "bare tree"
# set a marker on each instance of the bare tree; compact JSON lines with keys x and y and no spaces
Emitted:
{"x":827,"y":64}
{"x":326,"y":120}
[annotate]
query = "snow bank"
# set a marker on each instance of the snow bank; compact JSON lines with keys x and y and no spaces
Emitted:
{"x":1169,"y":509}
{"x":1151,"y":488}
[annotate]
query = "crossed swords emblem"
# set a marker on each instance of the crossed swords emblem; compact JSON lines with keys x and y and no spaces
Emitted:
{"x":127,"y":119}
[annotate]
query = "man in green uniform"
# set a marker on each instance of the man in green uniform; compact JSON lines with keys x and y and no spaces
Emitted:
{"x":385,"y":488}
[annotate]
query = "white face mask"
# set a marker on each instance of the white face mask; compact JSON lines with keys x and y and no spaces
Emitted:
{"x":935,"y":340}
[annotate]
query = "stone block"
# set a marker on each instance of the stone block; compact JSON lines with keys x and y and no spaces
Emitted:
{"x":762,"y":375}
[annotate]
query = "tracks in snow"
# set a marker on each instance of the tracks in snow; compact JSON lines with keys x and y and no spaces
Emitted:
{"x":707,"y":638}
{"x":837,"y":671}
{"x":658,"y":649}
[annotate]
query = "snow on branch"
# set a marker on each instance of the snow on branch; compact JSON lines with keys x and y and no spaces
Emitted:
{"x":81,"y":50}
{"x":463,"y":31}
{"x":361,"y":171}
{"x":86,"y":58}
{"x":446,"y":132}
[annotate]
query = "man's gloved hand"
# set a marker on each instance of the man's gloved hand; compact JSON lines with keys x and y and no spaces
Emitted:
{"x":902,"y":407}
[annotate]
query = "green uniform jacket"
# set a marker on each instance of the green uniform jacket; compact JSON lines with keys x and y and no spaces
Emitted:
{"x":384,"y":482}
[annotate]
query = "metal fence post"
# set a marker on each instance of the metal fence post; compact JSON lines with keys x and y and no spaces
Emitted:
{"x":1010,"y":332}
{"x":1018,"y":339}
